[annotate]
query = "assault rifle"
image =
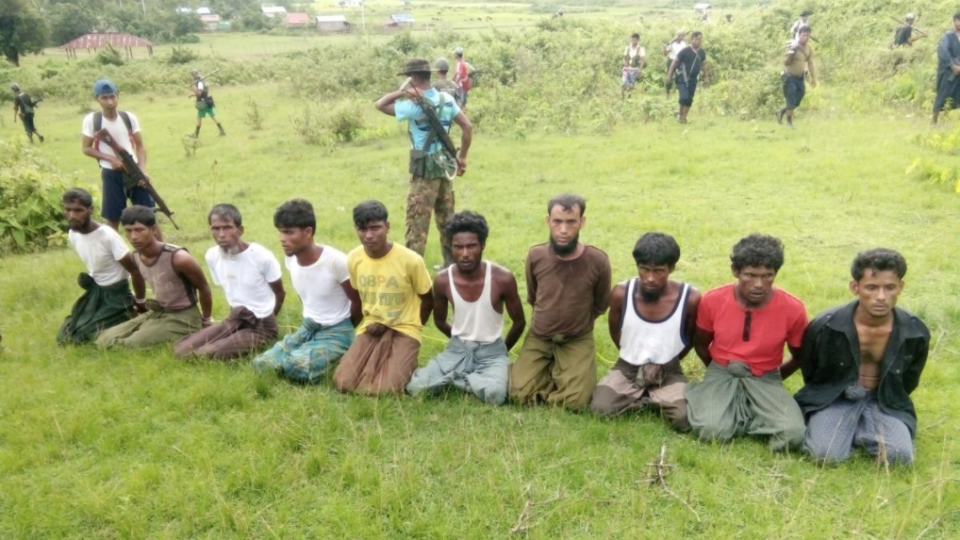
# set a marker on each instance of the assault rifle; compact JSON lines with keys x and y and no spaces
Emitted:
{"x":134,"y":173}
{"x":437,"y":127}
{"x":903,"y":23}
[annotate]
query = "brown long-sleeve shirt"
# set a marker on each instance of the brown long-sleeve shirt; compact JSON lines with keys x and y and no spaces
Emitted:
{"x":566,"y":295}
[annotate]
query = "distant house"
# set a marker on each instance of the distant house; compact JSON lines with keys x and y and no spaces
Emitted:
{"x":329,"y":24}
{"x":203,"y":11}
{"x":400,"y":20}
{"x":274,"y":11}
{"x":184,"y":10}
{"x":211,"y":22}
{"x":297,"y":20}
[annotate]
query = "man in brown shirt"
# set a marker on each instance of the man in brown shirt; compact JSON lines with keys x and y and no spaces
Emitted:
{"x":568,"y":285}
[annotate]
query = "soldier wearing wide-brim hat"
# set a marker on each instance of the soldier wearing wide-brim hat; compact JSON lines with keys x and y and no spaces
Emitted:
{"x":431,"y":190}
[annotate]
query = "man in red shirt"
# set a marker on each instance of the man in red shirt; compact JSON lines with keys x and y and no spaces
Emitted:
{"x":741,"y":330}
{"x":462,"y":78}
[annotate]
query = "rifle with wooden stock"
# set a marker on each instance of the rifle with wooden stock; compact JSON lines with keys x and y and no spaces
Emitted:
{"x":134,"y":174}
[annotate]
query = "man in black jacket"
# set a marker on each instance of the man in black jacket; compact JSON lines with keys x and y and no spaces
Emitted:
{"x":860,"y":362}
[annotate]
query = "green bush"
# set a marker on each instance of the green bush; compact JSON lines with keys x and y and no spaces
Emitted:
{"x":31,"y":216}
{"x":110,"y":56}
{"x":181,"y":55}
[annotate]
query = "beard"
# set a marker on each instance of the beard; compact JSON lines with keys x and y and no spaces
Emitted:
{"x":650,"y":296}
{"x":82,"y":226}
{"x":567,"y":249}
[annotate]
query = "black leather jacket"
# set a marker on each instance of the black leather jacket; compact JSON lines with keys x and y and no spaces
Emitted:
{"x":830,"y":362}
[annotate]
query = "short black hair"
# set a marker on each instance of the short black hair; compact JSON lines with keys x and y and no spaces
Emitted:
{"x":956,"y":16}
{"x":696,"y":34}
{"x":567,"y":201}
{"x":225,"y":211}
{"x":656,"y":248}
{"x":635,"y":35}
{"x":804,"y":29}
{"x":878,"y":260}
{"x":423,"y":75}
{"x":758,"y":250}
{"x":138,"y":214}
{"x":468,"y":221}
{"x":295,"y":214}
{"x":368,"y":211}
{"x":79,"y":195}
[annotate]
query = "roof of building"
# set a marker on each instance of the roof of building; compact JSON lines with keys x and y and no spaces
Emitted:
{"x":96,"y":41}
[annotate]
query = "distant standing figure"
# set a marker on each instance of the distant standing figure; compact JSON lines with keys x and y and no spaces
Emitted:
{"x":205,"y":103}
{"x":671,"y":50}
{"x":462,"y":77}
{"x":798,"y":61}
{"x":689,"y":63}
{"x":948,"y":67}
{"x":23,"y":109}
{"x":443,"y":84}
{"x":903,"y":35}
{"x":800,"y":23}
{"x":634,"y":58}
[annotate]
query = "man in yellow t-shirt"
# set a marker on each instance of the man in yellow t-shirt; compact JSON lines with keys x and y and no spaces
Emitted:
{"x":396,"y":297}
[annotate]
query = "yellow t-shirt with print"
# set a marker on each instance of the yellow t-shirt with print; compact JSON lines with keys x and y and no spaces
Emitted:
{"x":389,"y":288}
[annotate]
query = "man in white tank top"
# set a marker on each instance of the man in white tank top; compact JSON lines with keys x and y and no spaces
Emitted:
{"x":475,"y":360}
{"x":652,"y":320}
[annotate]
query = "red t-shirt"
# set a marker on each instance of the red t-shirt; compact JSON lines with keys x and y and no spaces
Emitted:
{"x":463,"y":75}
{"x":782,"y":320}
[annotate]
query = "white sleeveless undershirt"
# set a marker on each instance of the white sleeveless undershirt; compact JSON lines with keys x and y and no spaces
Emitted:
{"x":476,"y":321}
{"x":651,"y":342}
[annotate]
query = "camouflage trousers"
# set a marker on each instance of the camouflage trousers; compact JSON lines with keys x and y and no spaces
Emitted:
{"x":429,"y":195}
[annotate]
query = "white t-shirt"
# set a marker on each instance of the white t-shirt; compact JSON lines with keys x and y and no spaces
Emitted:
{"x":100,"y":251}
{"x":674,"y":48}
{"x":119,"y":132}
{"x":319,"y":286}
{"x":246,"y":277}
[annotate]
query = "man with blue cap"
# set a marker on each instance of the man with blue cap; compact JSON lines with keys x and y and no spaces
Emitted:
{"x":124,"y":127}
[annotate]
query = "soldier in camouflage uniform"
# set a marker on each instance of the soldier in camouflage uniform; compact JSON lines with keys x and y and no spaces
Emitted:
{"x":430,"y":188}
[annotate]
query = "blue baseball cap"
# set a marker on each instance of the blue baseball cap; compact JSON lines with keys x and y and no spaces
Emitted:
{"x":103,"y":87}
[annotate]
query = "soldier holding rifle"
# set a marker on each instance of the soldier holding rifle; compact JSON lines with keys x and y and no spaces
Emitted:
{"x":124,"y":128}
{"x":903,"y":35}
{"x":205,"y":104}
{"x":434,"y":161}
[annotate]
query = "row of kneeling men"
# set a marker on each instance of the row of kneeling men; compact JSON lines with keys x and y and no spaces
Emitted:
{"x":363,"y":315}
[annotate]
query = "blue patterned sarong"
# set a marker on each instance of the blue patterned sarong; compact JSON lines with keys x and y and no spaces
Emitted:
{"x":307,"y":354}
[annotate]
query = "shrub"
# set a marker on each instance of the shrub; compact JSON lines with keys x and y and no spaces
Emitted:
{"x":31,"y":214}
{"x":181,"y":55}
{"x":110,"y":57}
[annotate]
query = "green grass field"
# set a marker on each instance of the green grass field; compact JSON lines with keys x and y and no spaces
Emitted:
{"x":140,"y":445}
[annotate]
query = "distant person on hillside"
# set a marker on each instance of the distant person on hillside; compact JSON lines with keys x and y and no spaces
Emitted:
{"x":568,"y":285}
{"x":23,"y":110}
{"x":462,"y":77}
{"x":331,"y":306}
{"x":396,"y":297}
{"x":250,"y":276}
{"x":741,"y":332}
{"x":903,"y":35}
{"x":798,"y":61}
{"x":860,"y":363}
{"x":443,"y":84}
{"x":124,"y":127}
{"x":106,"y":301}
{"x":431,"y":190}
{"x":804,"y":20}
{"x":176,"y":281}
{"x":689,"y":63}
{"x":652,"y":320}
{"x":204,"y":103}
{"x":634,"y":58}
{"x":671,"y":50}
{"x":948,"y":67}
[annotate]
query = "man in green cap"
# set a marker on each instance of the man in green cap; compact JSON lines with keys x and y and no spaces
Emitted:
{"x":430,"y":188}
{"x":443,"y":84}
